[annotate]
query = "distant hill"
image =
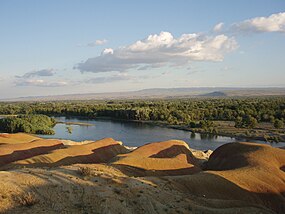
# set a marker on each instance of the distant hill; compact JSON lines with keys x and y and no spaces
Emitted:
{"x":215,"y":94}
{"x":162,"y":93}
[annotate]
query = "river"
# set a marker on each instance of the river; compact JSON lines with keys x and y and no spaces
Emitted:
{"x":135,"y":133}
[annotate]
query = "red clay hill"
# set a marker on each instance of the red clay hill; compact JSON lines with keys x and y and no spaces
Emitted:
{"x":161,"y":158}
{"x":160,"y":177}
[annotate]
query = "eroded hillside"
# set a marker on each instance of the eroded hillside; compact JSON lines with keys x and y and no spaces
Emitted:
{"x":52,"y":176}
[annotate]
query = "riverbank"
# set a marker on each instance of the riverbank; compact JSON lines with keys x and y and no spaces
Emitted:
{"x":222,"y":128}
{"x":263,"y":132}
{"x":75,"y":123}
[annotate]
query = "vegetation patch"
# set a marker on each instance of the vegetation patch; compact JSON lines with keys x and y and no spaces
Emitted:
{"x":33,"y":124}
{"x":251,"y":117}
{"x":27,"y":199}
{"x":85,"y":171}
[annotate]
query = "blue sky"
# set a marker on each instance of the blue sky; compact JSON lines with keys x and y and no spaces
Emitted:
{"x":68,"y":46}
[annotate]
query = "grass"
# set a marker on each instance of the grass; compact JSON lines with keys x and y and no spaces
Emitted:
{"x":85,"y":171}
{"x":27,"y":199}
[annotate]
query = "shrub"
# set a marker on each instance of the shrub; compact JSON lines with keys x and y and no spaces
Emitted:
{"x":85,"y":171}
{"x":246,"y":121}
{"x":28,"y":199}
{"x":278,"y":124}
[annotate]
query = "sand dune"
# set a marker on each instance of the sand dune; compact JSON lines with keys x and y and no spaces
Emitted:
{"x":16,"y":138}
{"x":237,"y":178}
{"x":247,"y":172}
{"x":96,"y":152}
{"x":13,"y":152}
{"x":161,"y":158}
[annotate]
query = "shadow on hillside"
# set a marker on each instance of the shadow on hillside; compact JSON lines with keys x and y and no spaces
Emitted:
{"x":210,"y":194}
{"x":100,"y":155}
{"x":139,"y":172}
{"x":171,"y":152}
{"x":213,"y":189}
{"x":28,"y":153}
{"x":230,"y":156}
{"x":174,"y":151}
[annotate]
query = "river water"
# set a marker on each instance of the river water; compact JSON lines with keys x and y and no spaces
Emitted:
{"x":135,"y":133}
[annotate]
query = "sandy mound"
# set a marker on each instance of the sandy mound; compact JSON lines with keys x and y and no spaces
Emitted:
{"x":239,"y":177}
{"x":102,"y":190}
{"x":13,"y":152}
{"x":161,"y":158}
{"x":241,"y":172}
{"x":16,"y":138}
{"x":100,"y":151}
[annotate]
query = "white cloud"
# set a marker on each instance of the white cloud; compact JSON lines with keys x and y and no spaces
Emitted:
{"x":107,"y":51}
{"x":41,"y":73}
{"x":272,"y":23}
{"x":39,"y":83}
{"x":97,"y":42}
{"x":30,"y":79}
{"x":218,"y":27}
{"x":159,"y":51}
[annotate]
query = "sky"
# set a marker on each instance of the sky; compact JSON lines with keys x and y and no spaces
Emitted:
{"x":52,"y":47}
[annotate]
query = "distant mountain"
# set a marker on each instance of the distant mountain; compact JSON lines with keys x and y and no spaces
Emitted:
{"x":215,"y":94}
{"x":162,"y":93}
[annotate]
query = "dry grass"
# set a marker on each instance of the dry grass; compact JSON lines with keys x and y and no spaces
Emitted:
{"x":85,"y":171}
{"x":27,"y":199}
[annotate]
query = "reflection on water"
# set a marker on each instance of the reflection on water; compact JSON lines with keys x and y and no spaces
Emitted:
{"x":135,"y":134}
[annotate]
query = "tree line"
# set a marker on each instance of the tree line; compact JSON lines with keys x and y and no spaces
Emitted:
{"x":246,"y":112}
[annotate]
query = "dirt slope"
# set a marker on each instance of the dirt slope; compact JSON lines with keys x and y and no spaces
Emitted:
{"x":96,"y":152}
{"x":17,"y":138}
{"x":244,"y":172}
{"x":14,"y":152}
{"x":104,"y":190}
{"x":238,"y":178}
{"x":161,"y":158}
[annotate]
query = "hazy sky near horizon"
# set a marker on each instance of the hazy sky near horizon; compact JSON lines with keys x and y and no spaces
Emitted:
{"x":81,"y":46}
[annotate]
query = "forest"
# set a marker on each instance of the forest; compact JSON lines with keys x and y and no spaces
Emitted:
{"x":197,"y":114}
{"x":172,"y":111}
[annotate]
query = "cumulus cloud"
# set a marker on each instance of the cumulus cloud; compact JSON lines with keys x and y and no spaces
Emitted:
{"x":218,"y":27}
{"x":31,"y":79}
{"x":160,"y":50}
{"x":40,"y":83}
{"x":272,"y":23}
{"x":97,"y":42}
{"x":39,"y":73}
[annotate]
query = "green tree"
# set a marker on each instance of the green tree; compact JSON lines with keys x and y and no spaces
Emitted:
{"x":239,"y":122}
{"x":278,"y":124}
